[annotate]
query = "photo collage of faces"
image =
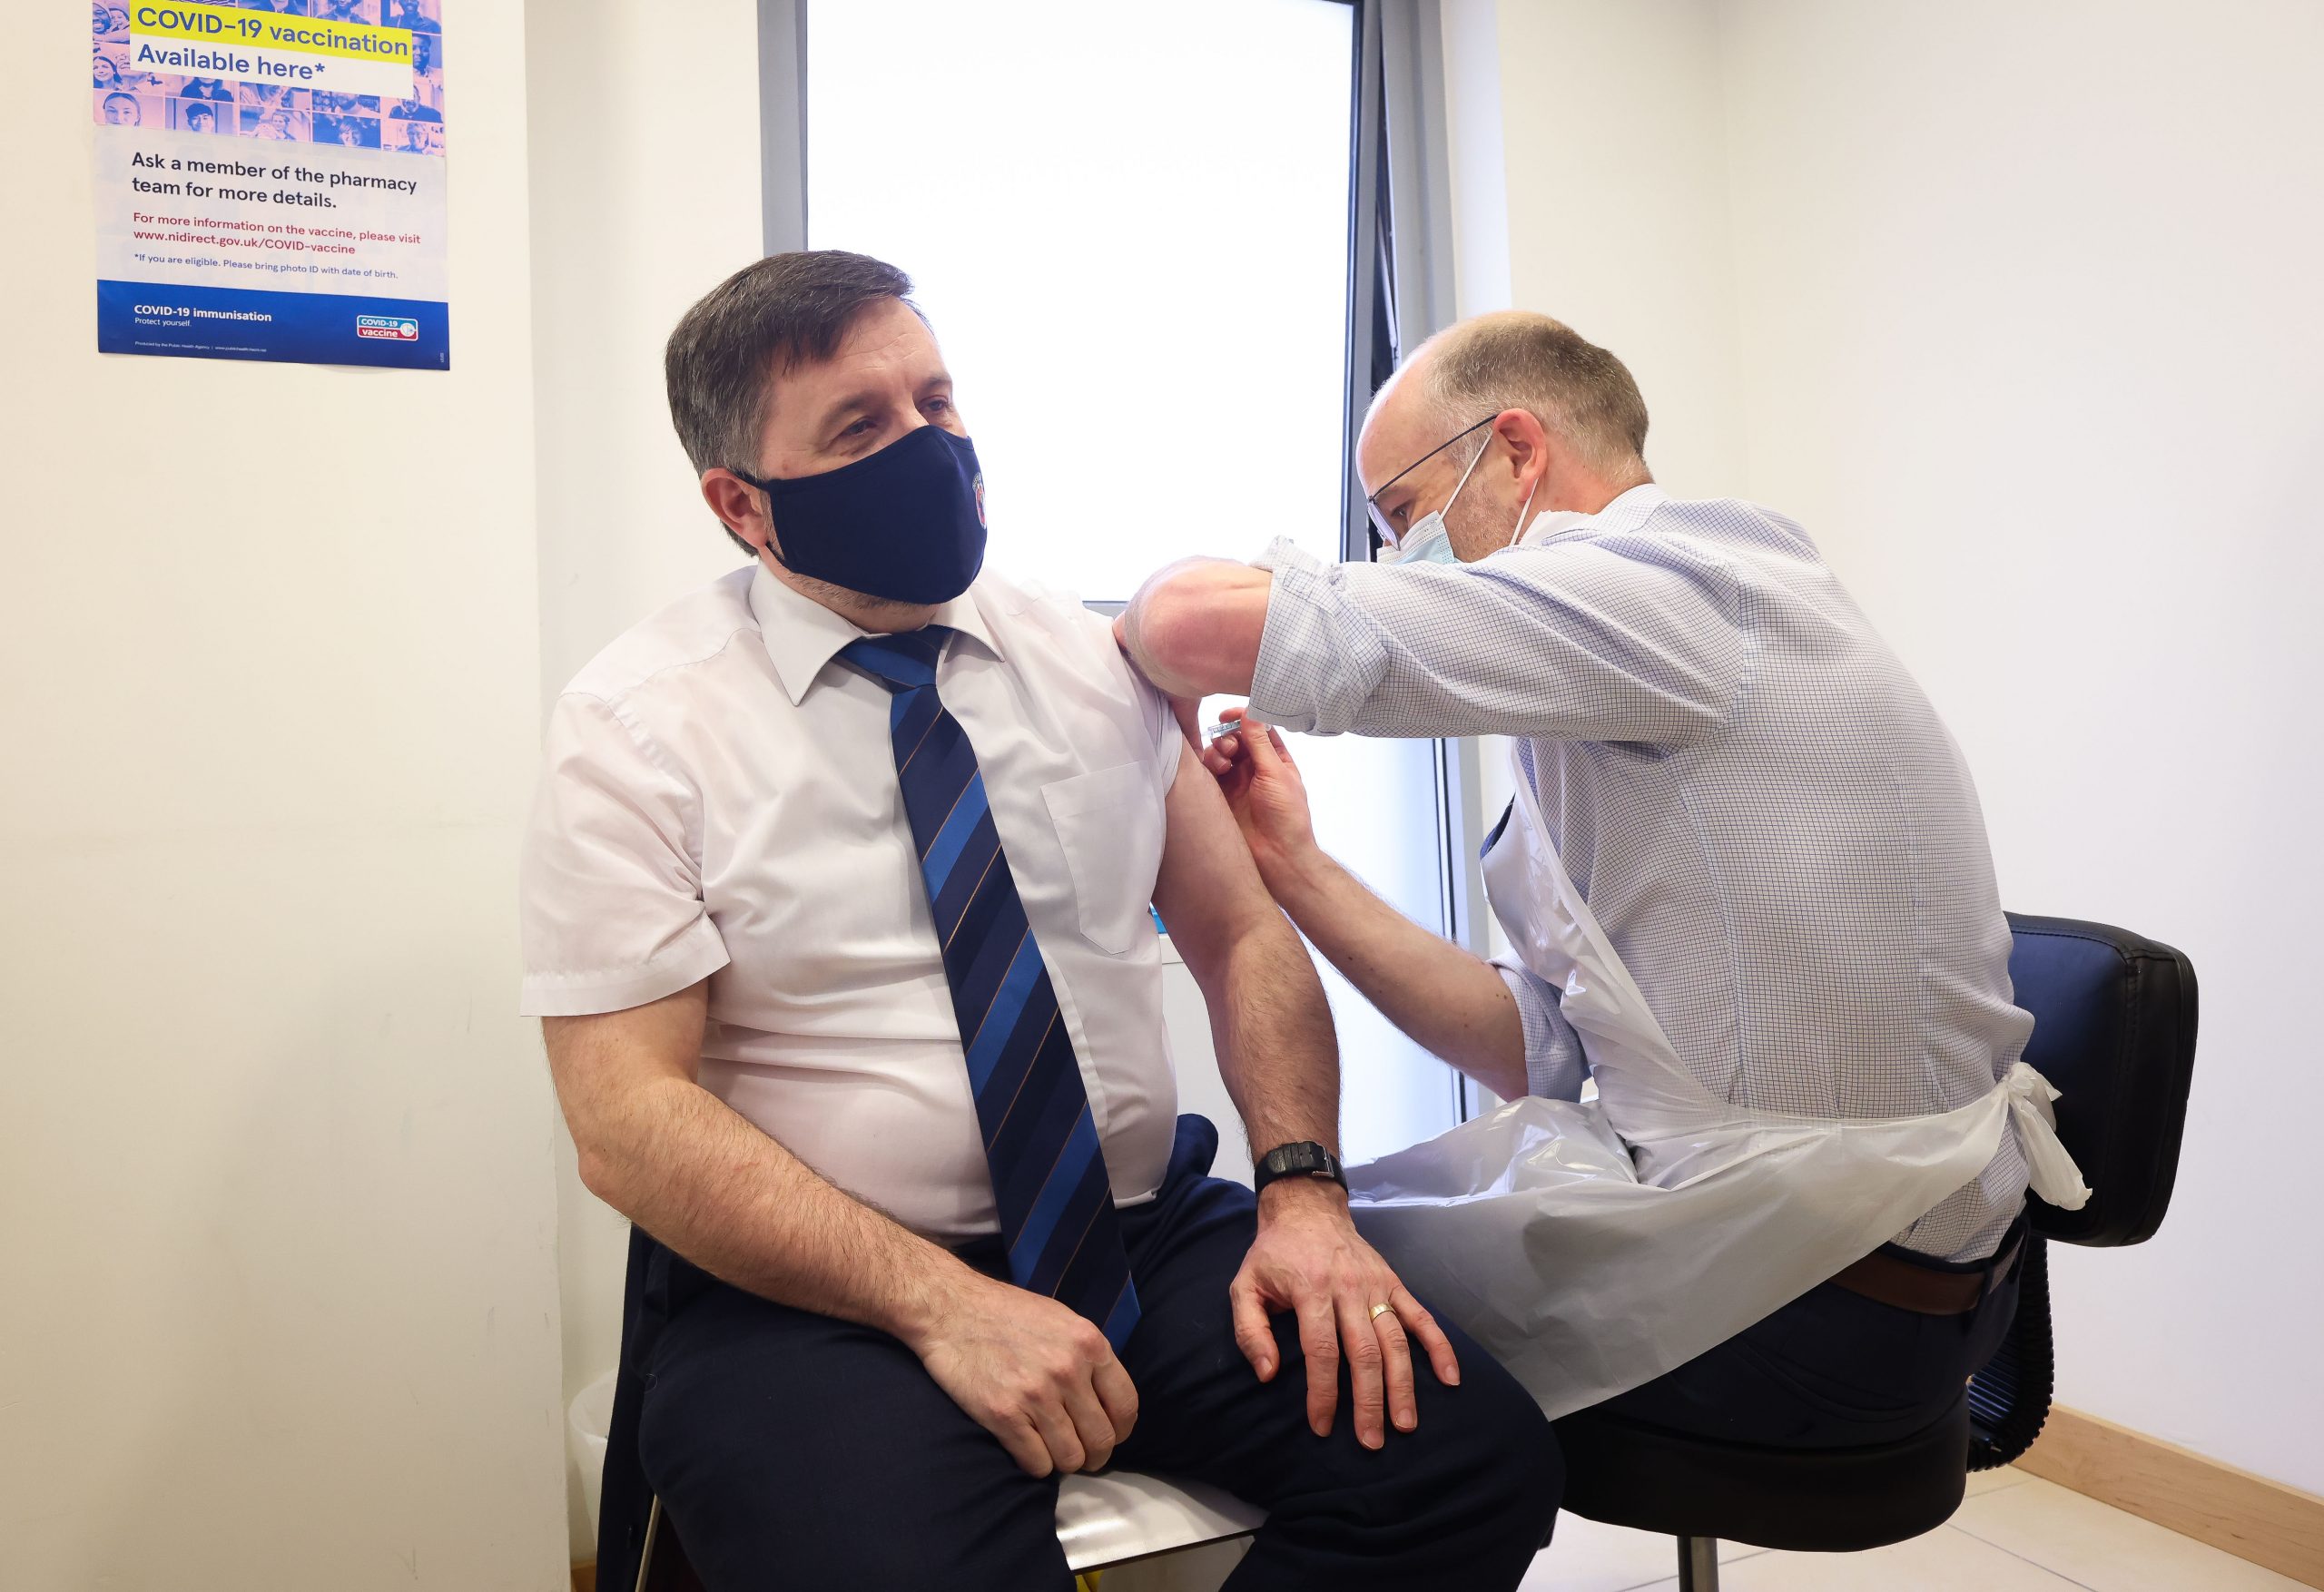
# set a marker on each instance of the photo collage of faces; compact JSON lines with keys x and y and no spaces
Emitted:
{"x":126,"y":98}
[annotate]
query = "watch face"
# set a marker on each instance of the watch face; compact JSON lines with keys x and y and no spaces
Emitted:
{"x":1287,"y":1158}
{"x":1307,"y":1158}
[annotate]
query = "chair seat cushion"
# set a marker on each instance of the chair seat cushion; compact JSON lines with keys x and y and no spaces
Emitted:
{"x":1833,"y":1500}
{"x":1121,"y":1515}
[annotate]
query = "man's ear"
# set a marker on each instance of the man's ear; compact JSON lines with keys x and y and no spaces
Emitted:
{"x":739,"y":507}
{"x":1528,"y":441}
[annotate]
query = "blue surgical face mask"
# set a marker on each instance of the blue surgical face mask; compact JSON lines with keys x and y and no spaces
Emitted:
{"x":906,"y":523}
{"x":1426,"y":541}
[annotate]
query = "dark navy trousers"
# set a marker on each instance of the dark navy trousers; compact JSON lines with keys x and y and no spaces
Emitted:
{"x":1832,"y":1369}
{"x":792,"y":1450}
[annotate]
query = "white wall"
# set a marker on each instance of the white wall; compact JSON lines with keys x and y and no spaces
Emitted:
{"x":641,"y":204}
{"x":2012,"y":305}
{"x":279,"y":1306}
{"x":1617,"y":209}
{"x":2031,"y":343}
{"x":1476,"y":147}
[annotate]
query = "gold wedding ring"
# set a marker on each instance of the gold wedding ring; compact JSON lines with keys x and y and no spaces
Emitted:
{"x":1378,"y":1311}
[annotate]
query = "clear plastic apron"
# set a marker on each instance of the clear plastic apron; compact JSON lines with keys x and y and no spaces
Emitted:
{"x":1593,"y":1246}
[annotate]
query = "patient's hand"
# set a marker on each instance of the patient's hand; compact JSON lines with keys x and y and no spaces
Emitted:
{"x":1309,"y":1258}
{"x":1039,"y":1376}
{"x":1266,"y":795}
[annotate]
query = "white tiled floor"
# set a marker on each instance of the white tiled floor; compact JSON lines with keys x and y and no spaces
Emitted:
{"x":2015,"y":1533}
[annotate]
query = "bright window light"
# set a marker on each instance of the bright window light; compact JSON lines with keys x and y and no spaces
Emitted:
{"x":1129,"y":226}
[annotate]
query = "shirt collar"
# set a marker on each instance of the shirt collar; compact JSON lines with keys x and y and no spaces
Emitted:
{"x":1628,"y":511}
{"x":802,"y":635}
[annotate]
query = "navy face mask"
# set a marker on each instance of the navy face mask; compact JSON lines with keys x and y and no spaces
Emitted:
{"x":906,"y":523}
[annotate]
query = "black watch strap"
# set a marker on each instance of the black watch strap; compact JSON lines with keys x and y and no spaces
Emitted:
{"x":1304,"y":1159}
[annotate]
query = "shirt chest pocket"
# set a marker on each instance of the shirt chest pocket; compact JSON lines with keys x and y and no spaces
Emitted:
{"x":1109,"y":824}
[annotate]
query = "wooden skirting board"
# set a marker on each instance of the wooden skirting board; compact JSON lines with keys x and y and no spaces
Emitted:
{"x":2248,"y":1515}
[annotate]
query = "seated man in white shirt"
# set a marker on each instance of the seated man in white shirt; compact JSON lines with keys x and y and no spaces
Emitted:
{"x":835,"y":908}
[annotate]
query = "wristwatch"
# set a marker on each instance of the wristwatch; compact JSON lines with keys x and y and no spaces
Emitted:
{"x":1304,"y":1159}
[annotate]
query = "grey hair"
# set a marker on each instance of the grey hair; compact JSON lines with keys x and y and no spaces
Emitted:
{"x":765,"y":321}
{"x":1516,"y":359}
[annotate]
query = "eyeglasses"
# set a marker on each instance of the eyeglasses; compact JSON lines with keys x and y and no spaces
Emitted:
{"x":1387,"y":532}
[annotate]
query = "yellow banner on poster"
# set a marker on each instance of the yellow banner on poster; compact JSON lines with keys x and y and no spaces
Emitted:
{"x":262,"y":30}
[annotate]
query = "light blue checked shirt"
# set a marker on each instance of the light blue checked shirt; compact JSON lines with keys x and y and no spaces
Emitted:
{"x":1762,"y":809}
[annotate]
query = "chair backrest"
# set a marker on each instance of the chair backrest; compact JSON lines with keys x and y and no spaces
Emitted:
{"x":2114,"y":1030}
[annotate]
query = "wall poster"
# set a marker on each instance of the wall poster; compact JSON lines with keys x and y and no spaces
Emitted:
{"x":271,"y":179}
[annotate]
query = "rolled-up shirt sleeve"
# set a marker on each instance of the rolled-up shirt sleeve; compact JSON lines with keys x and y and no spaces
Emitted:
{"x":1555,"y":1066}
{"x":1162,"y":729}
{"x":1320,"y":654}
{"x":612,"y":908}
{"x":1627,"y":637}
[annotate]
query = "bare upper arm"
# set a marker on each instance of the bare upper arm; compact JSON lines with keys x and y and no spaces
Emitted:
{"x":600,"y":1060}
{"x":1209,"y":890}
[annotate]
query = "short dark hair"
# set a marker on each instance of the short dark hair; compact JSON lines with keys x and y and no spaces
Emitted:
{"x":765,"y":320}
{"x":1517,"y":359}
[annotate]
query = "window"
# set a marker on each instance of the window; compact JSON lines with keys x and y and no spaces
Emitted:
{"x":1131,"y":227}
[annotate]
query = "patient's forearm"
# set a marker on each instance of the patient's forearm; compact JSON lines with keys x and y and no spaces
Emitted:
{"x":681,"y":1164}
{"x":1272,"y":1029}
{"x":1450,"y":1002}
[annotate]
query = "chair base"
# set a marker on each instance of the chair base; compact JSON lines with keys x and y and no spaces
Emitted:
{"x":1699,"y":1564}
{"x":1826,"y":1501}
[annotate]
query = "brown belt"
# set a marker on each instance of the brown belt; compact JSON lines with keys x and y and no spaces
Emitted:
{"x":1924,"y":1290}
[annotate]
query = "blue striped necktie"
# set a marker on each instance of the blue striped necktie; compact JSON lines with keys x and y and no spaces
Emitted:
{"x":1049,"y":1171}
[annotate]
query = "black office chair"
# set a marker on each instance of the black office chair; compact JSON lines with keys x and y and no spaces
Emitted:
{"x":2114,"y":1030}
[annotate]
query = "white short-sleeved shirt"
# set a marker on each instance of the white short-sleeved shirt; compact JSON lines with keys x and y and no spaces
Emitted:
{"x":719,"y":799}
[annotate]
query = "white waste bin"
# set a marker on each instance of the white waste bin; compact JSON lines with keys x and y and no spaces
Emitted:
{"x":587,"y":1424}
